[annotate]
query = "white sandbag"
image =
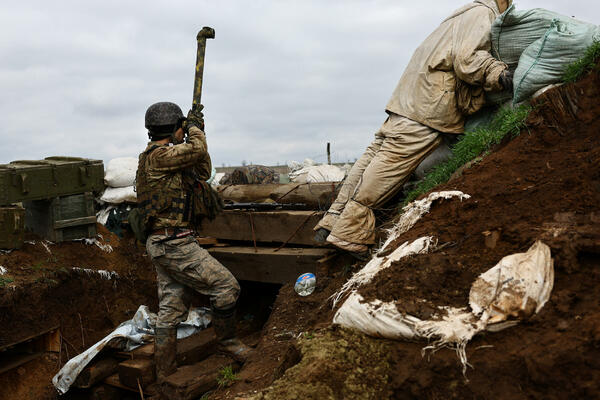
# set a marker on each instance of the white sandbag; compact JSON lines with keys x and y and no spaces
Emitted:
{"x":120,"y":172}
{"x":544,"y":62}
{"x":318,"y":173}
{"x":119,"y":195}
{"x":518,"y":286}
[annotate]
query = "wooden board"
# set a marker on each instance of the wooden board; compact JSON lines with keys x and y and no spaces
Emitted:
{"x":317,"y":196}
{"x":295,"y":227}
{"x":96,"y":372}
{"x":113,"y":380}
{"x":134,"y":372}
{"x":189,"y":350}
{"x":267,"y":264}
{"x":191,"y":381}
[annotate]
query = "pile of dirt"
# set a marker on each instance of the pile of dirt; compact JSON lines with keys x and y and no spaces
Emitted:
{"x":544,"y":184}
{"x":49,"y":285}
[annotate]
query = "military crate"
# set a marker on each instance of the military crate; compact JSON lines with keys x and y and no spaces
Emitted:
{"x":62,"y":218}
{"x":12,"y":227}
{"x":45,"y":179}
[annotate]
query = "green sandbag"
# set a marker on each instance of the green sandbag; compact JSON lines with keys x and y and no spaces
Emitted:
{"x":545,"y":60}
{"x":513,"y":31}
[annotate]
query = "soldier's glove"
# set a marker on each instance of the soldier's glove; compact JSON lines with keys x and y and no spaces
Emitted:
{"x":506,"y":80}
{"x":195,"y":117}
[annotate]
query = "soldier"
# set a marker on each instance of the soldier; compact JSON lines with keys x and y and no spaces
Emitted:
{"x":180,"y":262}
{"x":445,"y":80}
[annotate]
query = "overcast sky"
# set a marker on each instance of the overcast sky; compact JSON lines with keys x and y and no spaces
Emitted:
{"x":282,"y":78}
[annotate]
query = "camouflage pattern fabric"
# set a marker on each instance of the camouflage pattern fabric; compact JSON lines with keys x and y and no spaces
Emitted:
{"x":250,"y":175}
{"x":182,"y":265}
{"x":161,"y":191}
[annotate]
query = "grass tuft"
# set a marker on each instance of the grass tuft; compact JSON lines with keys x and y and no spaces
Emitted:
{"x":584,"y":65}
{"x":226,"y":377}
{"x":5,"y":280}
{"x":507,"y":121}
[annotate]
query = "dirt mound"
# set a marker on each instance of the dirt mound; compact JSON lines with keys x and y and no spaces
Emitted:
{"x":544,"y":184}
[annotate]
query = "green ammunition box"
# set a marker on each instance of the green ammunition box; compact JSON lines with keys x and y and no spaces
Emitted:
{"x":12,"y":227}
{"x":49,"y":178}
{"x":62,"y":218}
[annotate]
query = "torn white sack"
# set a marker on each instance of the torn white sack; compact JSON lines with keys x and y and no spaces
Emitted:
{"x":413,"y":211}
{"x":518,"y":286}
{"x":419,"y":246}
{"x":133,"y":333}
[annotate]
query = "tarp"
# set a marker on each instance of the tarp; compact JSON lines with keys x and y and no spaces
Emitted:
{"x":129,"y":335}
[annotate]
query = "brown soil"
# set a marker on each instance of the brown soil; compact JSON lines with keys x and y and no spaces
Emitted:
{"x":544,"y":184}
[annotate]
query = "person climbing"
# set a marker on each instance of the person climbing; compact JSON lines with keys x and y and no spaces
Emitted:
{"x":445,"y":80}
{"x":180,"y":262}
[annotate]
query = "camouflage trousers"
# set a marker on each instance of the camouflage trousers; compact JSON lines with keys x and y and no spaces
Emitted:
{"x":182,"y":265}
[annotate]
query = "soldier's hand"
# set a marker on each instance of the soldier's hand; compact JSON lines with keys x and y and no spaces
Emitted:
{"x":506,"y":80}
{"x":195,"y":117}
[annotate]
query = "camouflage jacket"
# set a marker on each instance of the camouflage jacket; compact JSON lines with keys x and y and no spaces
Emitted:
{"x":161,"y":179}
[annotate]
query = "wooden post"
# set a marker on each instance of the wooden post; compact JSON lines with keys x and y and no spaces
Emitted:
{"x":328,"y":153}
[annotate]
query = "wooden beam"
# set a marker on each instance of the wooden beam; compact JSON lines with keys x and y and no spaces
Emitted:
{"x":317,"y":196}
{"x":133,"y":371}
{"x":268,"y":264}
{"x":191,"y":381}
{"x":96,"y":373}
{"x":113,"y":380}
{"x":295,"y":227}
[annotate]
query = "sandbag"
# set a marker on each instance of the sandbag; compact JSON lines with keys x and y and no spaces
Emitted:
{"x":318,"y":173}
{"x":513,"y":31}
{"x":119,"y":195}
{"x":120,"y":172}
{"x":545,"y":60}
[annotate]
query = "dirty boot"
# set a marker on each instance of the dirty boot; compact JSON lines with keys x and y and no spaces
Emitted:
{"x":321,"y":235}
{"x":165,"y":352}
{"x":228,"y":342}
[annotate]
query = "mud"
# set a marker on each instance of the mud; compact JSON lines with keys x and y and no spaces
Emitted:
{"x":544,"y":184}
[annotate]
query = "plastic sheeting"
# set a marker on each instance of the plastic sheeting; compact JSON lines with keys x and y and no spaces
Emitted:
{"x":129,"y":335}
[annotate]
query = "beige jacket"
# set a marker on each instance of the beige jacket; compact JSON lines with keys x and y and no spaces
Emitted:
{"x":457,"y":52}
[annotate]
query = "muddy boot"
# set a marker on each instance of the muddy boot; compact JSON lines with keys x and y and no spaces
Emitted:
{"x":228,"y":342}
{"x":165,"y":353}
{"x":321,"y":235}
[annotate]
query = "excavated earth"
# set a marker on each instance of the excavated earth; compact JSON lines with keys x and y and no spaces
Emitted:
{"x":542,"y":185}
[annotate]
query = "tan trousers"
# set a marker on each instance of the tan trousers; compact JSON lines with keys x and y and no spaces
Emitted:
{"x":399,"y":146}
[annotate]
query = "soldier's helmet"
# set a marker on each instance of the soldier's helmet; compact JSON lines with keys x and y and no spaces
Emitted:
{"x":162,"y":119}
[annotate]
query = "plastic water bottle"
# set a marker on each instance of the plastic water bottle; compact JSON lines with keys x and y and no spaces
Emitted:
{"x":305,"y":284}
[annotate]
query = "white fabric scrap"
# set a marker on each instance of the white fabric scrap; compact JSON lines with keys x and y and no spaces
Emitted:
{"x":93,"y":241}
{"x":2,"y":270}
{"x":104,"y":274}
{"x":136,"y":331}
{"x":102,"y":215}
{"x":419,"y":246}
{"x":413,"y":211}
{"x":518,"y":286}
{"x":45,"y":243}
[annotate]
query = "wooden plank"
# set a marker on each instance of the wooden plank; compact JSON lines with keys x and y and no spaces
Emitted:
{"x":191,"y":381}
{"x":53,"y":332}
{"x":66,"y":223}
{"x":96,"y":373}
{"x":318,"y":196}
{"x":267,"y":264}
{"x":189,"y":350}
{"x":113,"y":380}
{"x":12,"y":361}
{"x":133,"y":371}
{"x":295,"y":227}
